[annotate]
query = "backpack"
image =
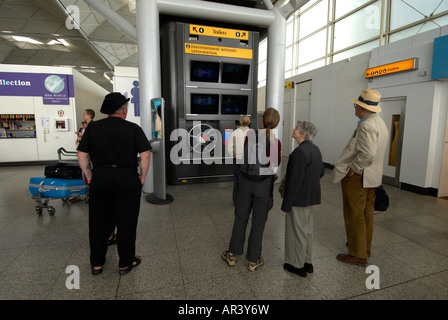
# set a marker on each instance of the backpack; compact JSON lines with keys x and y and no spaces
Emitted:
{"x":256,"y":160}
{"x":381,"y":199}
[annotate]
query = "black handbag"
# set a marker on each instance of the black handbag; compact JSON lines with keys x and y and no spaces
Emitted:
{"x":381,"y":199}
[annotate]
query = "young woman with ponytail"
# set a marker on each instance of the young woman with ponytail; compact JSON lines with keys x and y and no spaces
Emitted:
{"x":254,"y":193}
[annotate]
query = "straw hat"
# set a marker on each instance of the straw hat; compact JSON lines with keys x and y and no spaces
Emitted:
{"x":369,"y":99}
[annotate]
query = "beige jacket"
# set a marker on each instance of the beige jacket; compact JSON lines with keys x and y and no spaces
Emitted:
{"x":235,"y":145}
{"x":365,"y":152}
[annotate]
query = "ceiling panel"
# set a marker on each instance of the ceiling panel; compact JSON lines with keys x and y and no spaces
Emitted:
{"x":95,"y":48}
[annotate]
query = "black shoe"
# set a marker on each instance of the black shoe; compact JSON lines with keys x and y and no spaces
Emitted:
{"x":135,"y":263}
{"x":96,"y":272}
{"x":300,"y":271}
{"x":308,"y":267}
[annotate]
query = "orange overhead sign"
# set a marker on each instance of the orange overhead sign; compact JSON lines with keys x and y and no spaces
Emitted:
{"x":207,"y":50}
{"x":219,"y":32}
{"x":409,"y":64}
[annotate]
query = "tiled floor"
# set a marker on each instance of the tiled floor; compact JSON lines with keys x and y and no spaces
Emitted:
{"x":181,"y":244}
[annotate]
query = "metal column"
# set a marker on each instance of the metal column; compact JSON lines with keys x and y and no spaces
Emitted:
{"x":148,"y":68}
{"x":275,"y":78}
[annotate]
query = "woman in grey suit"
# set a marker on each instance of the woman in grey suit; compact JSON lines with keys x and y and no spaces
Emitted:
{"x":301,"y":193}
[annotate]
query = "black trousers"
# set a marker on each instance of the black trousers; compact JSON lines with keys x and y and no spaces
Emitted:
{"x":113,"y":193}
{"x":252,"y":197}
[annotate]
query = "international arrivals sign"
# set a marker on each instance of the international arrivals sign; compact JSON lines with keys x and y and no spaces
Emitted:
{"x":53,"y":88}
{"x":218,"y":51}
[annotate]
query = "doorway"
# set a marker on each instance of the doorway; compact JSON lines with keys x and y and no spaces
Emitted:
{"x":443,"y":184}
{"x":393,"y":114}
{"x":301,"y":108}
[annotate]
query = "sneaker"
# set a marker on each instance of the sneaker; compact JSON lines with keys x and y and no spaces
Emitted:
{"x":229,"y":258}
{"x":254,"y":265}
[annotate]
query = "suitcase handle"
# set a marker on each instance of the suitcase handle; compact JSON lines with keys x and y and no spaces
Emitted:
{"x":63,"y":152}
{"x":41,"y":189}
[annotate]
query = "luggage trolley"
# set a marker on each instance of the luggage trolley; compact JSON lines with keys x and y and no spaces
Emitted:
{"x":62,"y":181}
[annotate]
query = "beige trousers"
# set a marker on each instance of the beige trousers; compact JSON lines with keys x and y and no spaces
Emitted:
{"x":299,"y":236}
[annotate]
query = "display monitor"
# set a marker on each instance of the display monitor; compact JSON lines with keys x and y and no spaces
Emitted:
{"x":235,"y":73}
{"x":203,"y":71}
{"x":234,"y":104}
{"x":202,"y":103}
{"x":157,"y":118}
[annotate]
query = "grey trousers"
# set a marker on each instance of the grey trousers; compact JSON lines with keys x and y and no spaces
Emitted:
{"x":252,"y":197}
{"x":299,"y":236}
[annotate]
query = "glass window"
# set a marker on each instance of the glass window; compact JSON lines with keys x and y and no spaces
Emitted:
{"x":346,"y":6}
{"x":409,"y":32}
{"x":402,"y":14}
{"x":263,"y":50}
{"x":355,"y":51}
{"x":443,"y":7}
{"x":360,"y":26}
{"x":262,"y":70}
{"x":288,"y":58}
{"x":289,"y":33}
{"x":442,"y":21}
{"x":313,"y":19}
{"x":312,"y":47}
{"x":311,"y":66}
{"x":425,"y":7}
{"x":308,"y":4}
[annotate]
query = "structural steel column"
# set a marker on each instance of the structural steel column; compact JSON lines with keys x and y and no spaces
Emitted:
{"x":275,"y":78}
{"x":148,"y":37}
{"x":113,"y":17}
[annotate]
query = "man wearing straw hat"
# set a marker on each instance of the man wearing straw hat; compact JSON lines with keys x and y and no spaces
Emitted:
{"x":360,"y":170}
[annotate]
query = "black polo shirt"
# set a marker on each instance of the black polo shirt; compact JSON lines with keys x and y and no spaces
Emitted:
{"x":114,"y":141}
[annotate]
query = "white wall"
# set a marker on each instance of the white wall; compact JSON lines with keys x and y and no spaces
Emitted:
{"x":88,"y":95}
{"x":334,"y":86}
{"x":426,"y":108}
{"x":124,"y":78}
{"x":44,"y":147}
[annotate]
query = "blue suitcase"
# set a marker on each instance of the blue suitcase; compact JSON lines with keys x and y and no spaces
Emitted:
{"x":56,"y":188}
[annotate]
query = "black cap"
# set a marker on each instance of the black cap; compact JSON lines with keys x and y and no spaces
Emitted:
{"x":112,"y":102}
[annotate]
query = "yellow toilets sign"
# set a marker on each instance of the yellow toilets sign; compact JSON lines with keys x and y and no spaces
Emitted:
{"x":217,"y":51}
{"x":219,"y":32}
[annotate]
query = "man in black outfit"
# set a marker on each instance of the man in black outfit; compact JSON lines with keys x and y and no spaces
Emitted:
{"x":115,"y":184}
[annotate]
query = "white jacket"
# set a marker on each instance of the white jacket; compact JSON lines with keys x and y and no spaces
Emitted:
{"x":235,"y":145}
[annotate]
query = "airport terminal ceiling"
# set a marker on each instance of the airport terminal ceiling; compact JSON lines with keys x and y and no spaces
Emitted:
{"x":34,"y":32}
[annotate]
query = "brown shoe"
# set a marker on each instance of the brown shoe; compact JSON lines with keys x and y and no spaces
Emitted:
{"x":368,"y":251}
{"x":346,"y":258}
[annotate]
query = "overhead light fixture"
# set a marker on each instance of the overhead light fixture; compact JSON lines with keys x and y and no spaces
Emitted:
{"x":65,"y":43}
{"x":105,"y":74}
{"x":59,"y":41}
{"x":26,"y":39}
